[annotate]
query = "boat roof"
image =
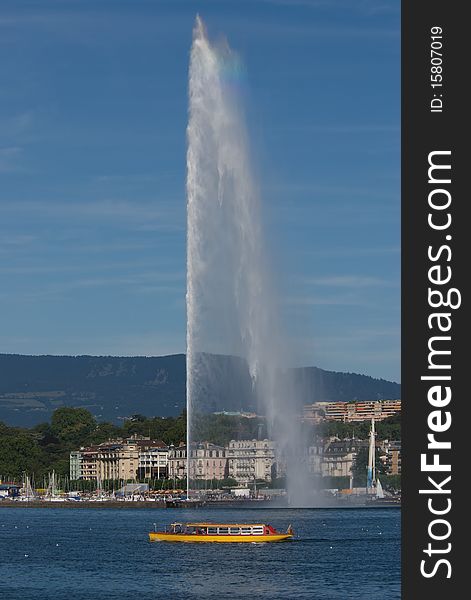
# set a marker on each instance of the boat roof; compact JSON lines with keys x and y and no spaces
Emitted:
{"x":224,"y":524}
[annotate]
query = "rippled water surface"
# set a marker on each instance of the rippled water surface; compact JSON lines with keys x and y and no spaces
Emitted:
{"x":77,"y":554}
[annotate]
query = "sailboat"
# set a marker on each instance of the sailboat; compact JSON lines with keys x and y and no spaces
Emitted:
{"x":373,"y":484}
{"x":379,"y":489}
{"x":51,"y":492}
{"x":28,"y":493}
{"x":371,"y":468}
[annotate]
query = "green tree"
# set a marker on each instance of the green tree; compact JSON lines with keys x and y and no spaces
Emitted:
{"x":176,"y":433}
{"x":105,"y":431}
{"x":72,"y":426}
{"x":19,"y":453}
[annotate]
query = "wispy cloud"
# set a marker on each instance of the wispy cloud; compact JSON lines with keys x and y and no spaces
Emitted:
{"x":342,"y":252}
{"x":94,"y":267}
{"x":8,"y":159}
{"x":143,"y":282}
{"x":305,"y":300}
{"x":15,"y":125}
{"x":157,"y":214}
{"x":19,"y":239}
{"x":329,"y":190}
{"x":346,"y":128}
{"x":349,"y":281}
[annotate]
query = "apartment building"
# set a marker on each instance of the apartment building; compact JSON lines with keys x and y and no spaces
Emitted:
{"x":351,"y":412}
{"x":117,"y":459}
{"x":249,"y":460}
{"x":208,"y":461}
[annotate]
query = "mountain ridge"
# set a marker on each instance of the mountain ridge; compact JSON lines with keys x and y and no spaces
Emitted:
{"x":115,"y":387}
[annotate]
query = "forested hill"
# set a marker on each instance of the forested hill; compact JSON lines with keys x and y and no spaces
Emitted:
{"x":112,"y":388}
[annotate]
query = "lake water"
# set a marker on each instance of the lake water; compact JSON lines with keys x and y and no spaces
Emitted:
{"x":77,"y":554}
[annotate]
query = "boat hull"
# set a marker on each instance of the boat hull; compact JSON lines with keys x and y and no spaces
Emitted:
{"x":224,"y":539}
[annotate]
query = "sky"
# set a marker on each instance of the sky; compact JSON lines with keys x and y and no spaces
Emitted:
{"x":93,"y":114}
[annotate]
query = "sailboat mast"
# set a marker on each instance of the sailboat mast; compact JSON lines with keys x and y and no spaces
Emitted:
{"x":371,"y":471}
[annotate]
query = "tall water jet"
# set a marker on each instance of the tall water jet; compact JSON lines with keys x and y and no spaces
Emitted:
{"x":231,"y":305}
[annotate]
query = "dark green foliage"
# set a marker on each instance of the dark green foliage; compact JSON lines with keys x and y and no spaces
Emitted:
{"x":19,"y":452}
{"x":389,"y":429}
{"x":171,"y":430}
{"x":392,"y":483}
{"x":47,"y":447}
{"x":72,"y":426}
{"x":221,"y":429}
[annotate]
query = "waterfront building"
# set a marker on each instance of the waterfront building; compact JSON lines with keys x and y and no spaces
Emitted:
{"x":351,"y":412}
{"x":334,"y":457}
{"x":315,"y":412}
{"x":88,"y":463}
{"x":153,"y":462}
{"x":177,"y":462}
{"x":338,"y":458}
{"x":249,"y":460}
{"x":208,"y":461}
{"x":392,"y":457}
{"x":75,"y":465}
{"x":314,"y":459}
{"x":118,"y":459}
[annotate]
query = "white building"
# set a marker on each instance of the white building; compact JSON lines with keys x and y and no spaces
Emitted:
{"x":251,"y":459}
{"x":153,"y":463}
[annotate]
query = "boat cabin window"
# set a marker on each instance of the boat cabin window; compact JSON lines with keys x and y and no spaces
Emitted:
{"x":212,"y":530}
{"x":223,"y":530}
{"x":234,"y":530}
{"x":257,"y":530}
{"x":246,"y":530}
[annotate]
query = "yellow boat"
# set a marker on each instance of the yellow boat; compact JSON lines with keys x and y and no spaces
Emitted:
{"x":220,"y":532}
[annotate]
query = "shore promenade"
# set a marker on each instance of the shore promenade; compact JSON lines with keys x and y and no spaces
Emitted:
{"x":252,"y":504}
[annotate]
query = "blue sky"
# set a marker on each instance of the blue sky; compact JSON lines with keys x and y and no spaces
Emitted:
{"x":93,"y":113}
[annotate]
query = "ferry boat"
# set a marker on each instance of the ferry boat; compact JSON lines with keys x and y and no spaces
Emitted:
{"x":220,"y":532}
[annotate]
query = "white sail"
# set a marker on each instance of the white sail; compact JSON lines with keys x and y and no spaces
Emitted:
{"x":379,"y":489}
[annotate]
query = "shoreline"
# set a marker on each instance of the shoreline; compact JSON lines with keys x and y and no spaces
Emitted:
{"x":208,"y":505}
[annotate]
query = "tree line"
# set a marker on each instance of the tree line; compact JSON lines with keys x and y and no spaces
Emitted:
{"x":47,"y":446}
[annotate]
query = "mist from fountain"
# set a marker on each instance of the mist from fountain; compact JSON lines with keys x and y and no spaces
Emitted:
{"x":231,"y":304}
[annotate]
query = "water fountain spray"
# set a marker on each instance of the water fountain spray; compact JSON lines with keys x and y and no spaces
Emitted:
{"x":230,"y":301}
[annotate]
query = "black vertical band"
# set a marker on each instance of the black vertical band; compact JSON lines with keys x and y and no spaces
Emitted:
{"x":435,"y":128}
